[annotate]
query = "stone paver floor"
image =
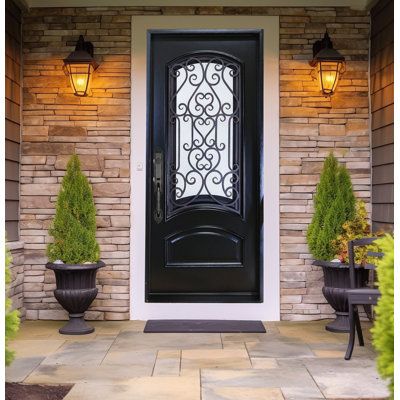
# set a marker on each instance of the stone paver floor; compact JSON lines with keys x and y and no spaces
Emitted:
{"x":293,"y":360}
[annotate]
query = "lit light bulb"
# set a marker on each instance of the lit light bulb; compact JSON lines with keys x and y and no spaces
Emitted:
{"x":329,"y":74}
{"x":80,"y":82}
{"x":329,"y":78}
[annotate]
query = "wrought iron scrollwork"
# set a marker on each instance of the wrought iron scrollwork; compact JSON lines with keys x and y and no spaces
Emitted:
{"x":204,"y":110}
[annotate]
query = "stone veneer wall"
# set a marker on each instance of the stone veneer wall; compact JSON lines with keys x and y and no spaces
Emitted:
{"x":56,"y":124}
{"x":16,"y":288}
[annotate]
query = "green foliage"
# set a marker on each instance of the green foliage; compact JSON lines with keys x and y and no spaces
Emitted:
{"x":11,"y":317}
{"x":334,"y":203}
{"x":74,"y":225}
{"x":383,"y":329}
{"x":356,"y":228}
{"x":324,"y":194}
{"x":345,"y":187}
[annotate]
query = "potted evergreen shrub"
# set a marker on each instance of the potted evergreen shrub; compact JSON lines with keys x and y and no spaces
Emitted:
{"x":74,"y":254}
{"x":334,"y":204}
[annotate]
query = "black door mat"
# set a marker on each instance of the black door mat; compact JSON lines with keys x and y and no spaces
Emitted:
{"x":203,"y":326}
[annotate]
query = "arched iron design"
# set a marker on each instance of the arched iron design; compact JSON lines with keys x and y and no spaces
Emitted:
{"x":204,"y":122}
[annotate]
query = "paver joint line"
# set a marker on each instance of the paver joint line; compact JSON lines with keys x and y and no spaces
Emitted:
{"x":105,"y":355}
{"x":154,"y":365}
{"x":316,"y":383}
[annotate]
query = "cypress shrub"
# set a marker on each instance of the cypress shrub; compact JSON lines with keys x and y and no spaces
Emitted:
{"x":346,"y":193}
{"x":324,"y":194}
{"x":383,"y":329}
{"x":334,"y":204}
{"x":74,"y":225}
{"x":11,"y":316}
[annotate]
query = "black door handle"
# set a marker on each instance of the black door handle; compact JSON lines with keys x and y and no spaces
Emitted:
{"x":158,"y":166}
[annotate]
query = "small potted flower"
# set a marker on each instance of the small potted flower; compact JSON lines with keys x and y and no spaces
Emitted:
{"x":74,"y":253}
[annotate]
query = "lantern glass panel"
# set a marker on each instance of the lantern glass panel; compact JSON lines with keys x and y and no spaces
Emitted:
{"x":328,"y":75}
{"x":80,"y":76}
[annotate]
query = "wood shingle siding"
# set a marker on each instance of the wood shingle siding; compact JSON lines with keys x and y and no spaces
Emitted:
{"x":382,"y":88}
{"x":12,"y":116}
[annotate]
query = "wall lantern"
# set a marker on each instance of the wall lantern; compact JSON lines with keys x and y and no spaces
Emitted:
{"x":79,"y":66}
{"x":329,"y":65}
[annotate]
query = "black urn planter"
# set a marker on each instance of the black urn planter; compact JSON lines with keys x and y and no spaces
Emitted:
{"x":336,"y":282}
{"x":75,"y":291}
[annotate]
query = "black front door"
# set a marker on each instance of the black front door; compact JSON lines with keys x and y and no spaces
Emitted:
{"x":204,"y":146}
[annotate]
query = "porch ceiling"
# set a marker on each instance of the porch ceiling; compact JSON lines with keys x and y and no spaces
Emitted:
{"x":356,"y":4}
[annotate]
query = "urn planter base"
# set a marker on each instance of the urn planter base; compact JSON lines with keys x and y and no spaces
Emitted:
{"x":75,"y":291}
{"x":340,"y":324}
{"x":76,"y":326}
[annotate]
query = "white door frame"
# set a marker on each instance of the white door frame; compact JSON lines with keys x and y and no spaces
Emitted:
{"x":269,"y":309}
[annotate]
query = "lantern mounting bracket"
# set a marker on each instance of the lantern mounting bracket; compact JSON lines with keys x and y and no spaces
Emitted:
{"x":81,"y":45}
{"x":323,"y":51}
{"x":325,"y":42}
{"x":83,"y":53}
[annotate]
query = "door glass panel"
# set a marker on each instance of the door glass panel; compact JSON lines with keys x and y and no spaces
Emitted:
{"x":204,"y":125}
